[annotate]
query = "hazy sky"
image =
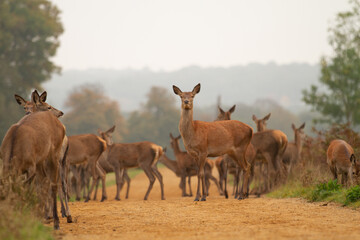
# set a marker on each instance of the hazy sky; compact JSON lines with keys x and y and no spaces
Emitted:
{"x":168,"y":34}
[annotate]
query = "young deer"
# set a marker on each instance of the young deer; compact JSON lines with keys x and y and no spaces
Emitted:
{"x":37,"y":146}
{"x":270,"y":146}
{"x":213,"y":139}
{"x":341,"y":160}
{"x":293,"y":150}
{"x":127,"y":155}
{"x":225,"y":164}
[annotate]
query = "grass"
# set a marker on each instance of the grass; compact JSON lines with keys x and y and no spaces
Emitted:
{"x":330,"y":191}
{"x":20,"y":212}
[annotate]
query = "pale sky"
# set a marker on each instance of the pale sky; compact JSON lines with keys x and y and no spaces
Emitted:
{"x":168,"y":34}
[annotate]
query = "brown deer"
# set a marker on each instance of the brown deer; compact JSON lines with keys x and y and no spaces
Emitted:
{"x":128,"y":155}
{"x":293,"y":150}
{"x":38,"y":104}
{"x":173,"y":166}
{"x":213,"y":139}
{"x":270,"y":146}
{"x":225,"y":164}
{"x":341,"y":160}
{"x":37,"y":146}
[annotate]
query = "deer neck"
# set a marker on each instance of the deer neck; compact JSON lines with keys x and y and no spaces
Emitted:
{"x":171,"y":164}
{"x":186,"y":125}
{"x":298,"y":143}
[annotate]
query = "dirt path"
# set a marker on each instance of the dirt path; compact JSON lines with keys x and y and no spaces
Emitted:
{"x":217,"y":218}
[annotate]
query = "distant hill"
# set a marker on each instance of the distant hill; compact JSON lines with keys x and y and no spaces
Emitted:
{"x":238,"y":84}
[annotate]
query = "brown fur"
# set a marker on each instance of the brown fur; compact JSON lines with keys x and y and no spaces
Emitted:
{"x":341,"y":160}
{"x":203,"y":139}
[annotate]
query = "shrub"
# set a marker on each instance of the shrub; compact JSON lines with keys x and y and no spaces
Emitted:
{"x":352,"y":195}
{"x":324,"y":190}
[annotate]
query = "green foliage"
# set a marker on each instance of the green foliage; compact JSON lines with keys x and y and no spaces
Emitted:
{"x":29,"y":37}
{"x":90,"y":109}
{"x":323,"y":190}
{"x":340,"y":76}
{"x":352,"y":195}
{"x":157,"y":118}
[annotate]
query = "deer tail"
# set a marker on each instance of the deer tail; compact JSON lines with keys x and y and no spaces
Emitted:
{"x":158,"y":152}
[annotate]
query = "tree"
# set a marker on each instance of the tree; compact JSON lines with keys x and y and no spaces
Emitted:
{"x":90,"y":109}
{"x":29,"y":32}
{"x":157,"y":118}
{"x":339,"y":97}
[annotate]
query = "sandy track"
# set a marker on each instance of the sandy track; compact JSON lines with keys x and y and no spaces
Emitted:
{"x":217,"y":218}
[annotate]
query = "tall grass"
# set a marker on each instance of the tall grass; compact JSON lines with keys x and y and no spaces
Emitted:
{"x":20,"y":211}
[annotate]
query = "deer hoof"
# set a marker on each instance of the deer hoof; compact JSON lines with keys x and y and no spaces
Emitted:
{"x":203,"y":199}
{"x":56,"y":226}
{"x":77,"y":198}
{"x":87,"y":199}
{"x":196,"y":200}
{"x":103,"y":199}
{"x":69,"y":219}
{"x":117,"y":199}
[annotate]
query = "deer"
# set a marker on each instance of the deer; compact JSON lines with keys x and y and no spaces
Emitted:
{"x":293,"y":150}
{"x":225,"y":164}
{"x":341,"y":160}
{"x":270,"y":146}
{"x":37,"y":146}
{"x":173,"y":165}
{"x":38,"y":104}
{"x":128,"y":155}
{"x":212,"y":139}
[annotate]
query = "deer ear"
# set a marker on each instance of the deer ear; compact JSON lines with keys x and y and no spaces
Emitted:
{"x":220,"y":110}
{"x":196,"y":89}
{"x":111,"y":130}
{"x":20,"y":100}
{"x":99,"y":132}
{"x":267,"y":117}
{"x":43,"y":96}
{"x":178,"y":137}
{"x":353,"y":158}
{"x":232,"y":109}
{"x":254,"y":118}
{"x":302,"y":126}
{"x":171,"y":136}
{"x":177,"y":90}
{"x":293,"y":126}
{"x":35,"y":97}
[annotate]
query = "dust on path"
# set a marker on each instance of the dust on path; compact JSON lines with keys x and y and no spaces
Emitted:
{"x":217,"y":218}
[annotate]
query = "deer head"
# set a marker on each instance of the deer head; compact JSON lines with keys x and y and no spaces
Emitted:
{"x":261,"y":123}
{"x":225,"y":115}
{"x":174,"y":141}
{"x":187,"y":98}
{"x":107,"y":135}
{"x":37,"y":104}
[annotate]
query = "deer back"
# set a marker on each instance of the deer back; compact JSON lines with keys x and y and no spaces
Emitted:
{"x":35,"y":138}
{"x":217,"y":138}
{"x":339,"y":154}
{"x":85,"y":147}
{"x":273,"y":142}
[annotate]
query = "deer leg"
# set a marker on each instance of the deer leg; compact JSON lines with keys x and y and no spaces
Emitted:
{"x":118,"y":171}
{"x":128,"y":180}
{"x":245,"y":166}
{"x":102,"y":174}
{"x":189,"y":183}
{"x":202,"y":177}
{"x":225,"y":179}
{"x":149,"y":174}
{"x":96,"y":188}
{"x":160,"y":178}
{"x":207,"y":185}
{"x":183,"y":184}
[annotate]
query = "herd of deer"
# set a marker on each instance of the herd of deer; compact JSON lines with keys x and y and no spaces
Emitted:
{"x":37,"y":146}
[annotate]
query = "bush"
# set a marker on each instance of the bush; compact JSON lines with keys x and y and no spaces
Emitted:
{"x":324,"y":190}
{"x":352,"y":195}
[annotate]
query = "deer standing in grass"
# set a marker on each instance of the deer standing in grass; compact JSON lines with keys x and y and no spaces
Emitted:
{"x":341,"y":160}
{"x":37,"y":146}
{"x":293,"y":150}
{"x":213,"y":139}
{"x":38,"y":104}
{"x":270,"y":146}
{"x":128,"y":155}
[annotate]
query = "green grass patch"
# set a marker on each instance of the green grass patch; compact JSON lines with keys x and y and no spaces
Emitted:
{"x":330,"y":191}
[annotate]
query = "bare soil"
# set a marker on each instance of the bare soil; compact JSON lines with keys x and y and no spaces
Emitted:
{"x":217,"y":218}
